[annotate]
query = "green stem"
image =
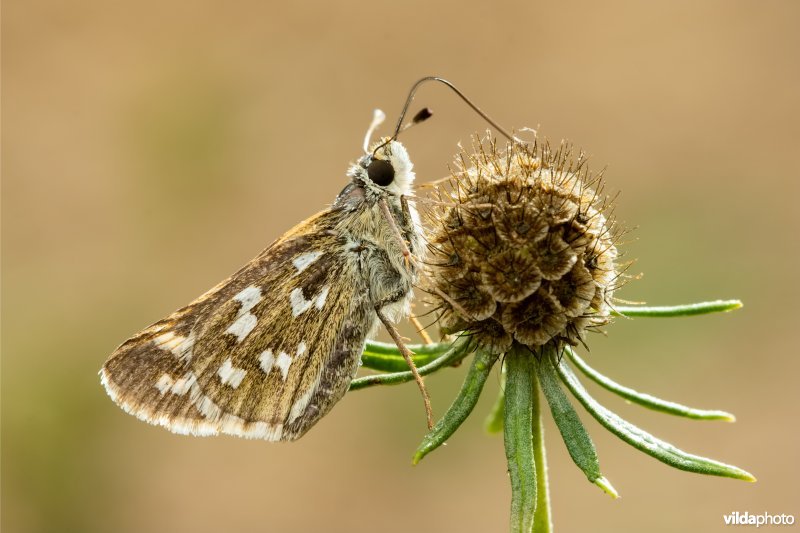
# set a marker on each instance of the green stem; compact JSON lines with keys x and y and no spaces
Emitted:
{"x":702,"y":308}
{"x":385,"y":356}
{"x":459,"y":349}
{"x":391,"y":348}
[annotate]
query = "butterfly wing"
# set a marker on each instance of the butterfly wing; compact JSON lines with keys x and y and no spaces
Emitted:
{"x":264,"y":354}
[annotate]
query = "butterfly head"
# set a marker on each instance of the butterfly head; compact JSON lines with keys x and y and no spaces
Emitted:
{"x":386,"y":168}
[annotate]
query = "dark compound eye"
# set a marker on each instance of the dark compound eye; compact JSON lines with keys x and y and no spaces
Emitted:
{"x":381,"y":172}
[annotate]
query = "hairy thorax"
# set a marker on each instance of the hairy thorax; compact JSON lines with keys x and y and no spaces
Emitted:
{"x":378,"y":250}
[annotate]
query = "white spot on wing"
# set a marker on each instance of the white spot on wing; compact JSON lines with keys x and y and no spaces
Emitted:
{"x":245,"y":320}
{"x":179,"y":346}
{"x":206,"y":405}
{"x":302,"y":261}
{"x":242,"y":326}
{"x":248,"y":297}
{"x":299,"y":303}
{"x":323,"y":294}
{"x":267,"y":359}
{"x":168,"y":340}
{"x":164,"y":383}
{"x":184,"y":384}
{"x":283,"y":362}
{"x":231,"y":375}
{"x":179,"y":386}
{"x":299,"y":407}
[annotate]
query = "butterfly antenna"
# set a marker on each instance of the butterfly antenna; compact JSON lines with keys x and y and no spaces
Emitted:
{"x":399,"y":128}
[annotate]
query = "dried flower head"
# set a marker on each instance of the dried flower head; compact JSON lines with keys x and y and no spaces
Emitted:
{"x":525,"y":251}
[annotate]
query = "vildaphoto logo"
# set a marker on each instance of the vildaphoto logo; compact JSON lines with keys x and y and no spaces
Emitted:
{"x":764,"y":519}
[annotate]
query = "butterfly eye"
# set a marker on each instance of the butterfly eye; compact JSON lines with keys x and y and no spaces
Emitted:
{"x":380,"y":172}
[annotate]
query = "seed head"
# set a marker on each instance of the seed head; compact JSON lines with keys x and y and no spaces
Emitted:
{"x":524,"y":251}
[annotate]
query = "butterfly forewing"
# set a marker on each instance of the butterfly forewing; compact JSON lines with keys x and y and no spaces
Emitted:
{"x":264,"y":354}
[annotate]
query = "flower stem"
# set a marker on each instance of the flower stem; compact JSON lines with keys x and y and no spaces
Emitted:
{"x":524,"y":443}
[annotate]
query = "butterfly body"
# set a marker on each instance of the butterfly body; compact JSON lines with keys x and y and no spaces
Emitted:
{"x":267,"y":352}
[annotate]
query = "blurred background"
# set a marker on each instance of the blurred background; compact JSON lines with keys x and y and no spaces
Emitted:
{"x":151,"y":148}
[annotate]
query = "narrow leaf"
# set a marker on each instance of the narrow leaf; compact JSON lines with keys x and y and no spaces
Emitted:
{"x":578,"y":442}
{"x":643,"y":441}
{"x":390,"y":348}
{"x":702,"y":308}
{"x":646,"y":400}
{"x":459,"y":349}
{"x":385,"y":357}
{"x":462,"y":406}
{"x":518,"y":436}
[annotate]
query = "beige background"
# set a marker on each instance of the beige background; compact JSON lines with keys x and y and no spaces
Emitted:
{"x":150,"y":148}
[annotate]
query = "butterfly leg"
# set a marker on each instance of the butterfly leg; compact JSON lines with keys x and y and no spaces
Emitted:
{"x":401,"y":241}
{"x":408,"y":223}
{"x":408,"y":356}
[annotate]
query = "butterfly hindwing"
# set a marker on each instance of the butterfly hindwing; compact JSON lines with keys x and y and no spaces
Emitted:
{"x":264,"y":354}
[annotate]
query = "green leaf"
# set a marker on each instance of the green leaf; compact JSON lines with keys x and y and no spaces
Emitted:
{"x":643,"y":441}
{"x":702,"y":308}
{"x":518,"y":436}
{"x":459,"y":349}
{"x":386,"y":357}
{"x":390,"y":348}
{"x":461,"y":407}
{"x":578,"y":442}
{"x":646,"y":400}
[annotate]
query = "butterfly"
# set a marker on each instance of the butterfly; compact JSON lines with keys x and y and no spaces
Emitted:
{"x":267,"y":352}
